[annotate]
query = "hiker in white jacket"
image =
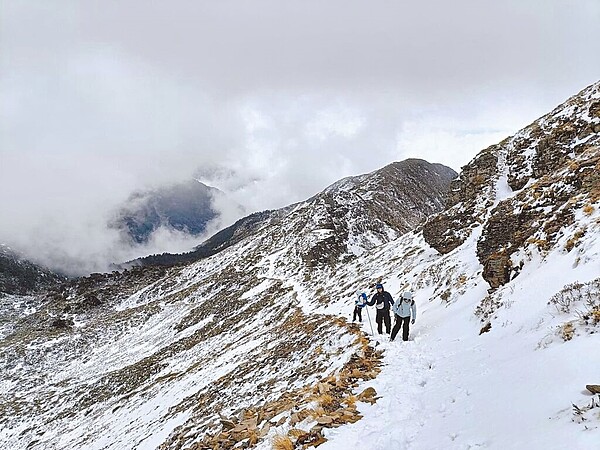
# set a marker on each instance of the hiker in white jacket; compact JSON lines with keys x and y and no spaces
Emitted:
{"x":404,"y":309}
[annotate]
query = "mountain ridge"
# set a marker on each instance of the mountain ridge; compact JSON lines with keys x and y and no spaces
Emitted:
{"x":392,"y":175}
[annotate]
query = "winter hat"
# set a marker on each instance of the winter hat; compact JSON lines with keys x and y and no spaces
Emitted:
{"x":407,"y":295}
{"x":379,"y":286}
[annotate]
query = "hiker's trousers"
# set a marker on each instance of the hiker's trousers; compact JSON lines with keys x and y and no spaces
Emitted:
{"x":383,"y":316}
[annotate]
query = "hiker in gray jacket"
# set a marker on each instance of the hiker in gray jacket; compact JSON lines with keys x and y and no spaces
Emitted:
{"x":404,"y":309}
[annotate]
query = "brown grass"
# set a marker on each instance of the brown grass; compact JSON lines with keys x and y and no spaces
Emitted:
{"x":595,"y":313}
{"x":588,"y":210}
{"x":574,"y":241}
{"x":281,"y":442}
{"x":296,"y":433}
{"x":327,"y":401}
{"x":568,"y":331}
{"x":350,"y":401}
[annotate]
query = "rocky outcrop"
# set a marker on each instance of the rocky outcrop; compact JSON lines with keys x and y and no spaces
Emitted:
{"x":449,"y":229}
{"x":358,"y":213}
{"x":553,"y":170}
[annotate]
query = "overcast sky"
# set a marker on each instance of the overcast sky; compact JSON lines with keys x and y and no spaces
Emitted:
{"x":269,"y":100}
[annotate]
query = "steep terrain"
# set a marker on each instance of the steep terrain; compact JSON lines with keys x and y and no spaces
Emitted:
{"x":348,"y":218}
{"x":505,"y":349}
{"x":527,"y":189}
{"x":176,"y":355}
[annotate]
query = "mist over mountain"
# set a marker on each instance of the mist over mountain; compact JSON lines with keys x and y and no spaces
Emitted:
{"x":173,"y":217}
{"x":250,"y":343}
{"x":387,"y":202}
{"x":186,"y":207}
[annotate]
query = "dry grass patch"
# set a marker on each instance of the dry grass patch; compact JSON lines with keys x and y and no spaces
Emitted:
{"x":281,"y":442}
{"x":328,"y":403}
{"x":588,"y":210}
{"x":567,"y":331}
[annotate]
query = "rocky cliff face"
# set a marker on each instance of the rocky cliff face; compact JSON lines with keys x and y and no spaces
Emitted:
{"x":526,"y":190}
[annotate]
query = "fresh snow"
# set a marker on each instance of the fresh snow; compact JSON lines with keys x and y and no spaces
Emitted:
{"x":511,"y":388}
{"x":448,"y":387}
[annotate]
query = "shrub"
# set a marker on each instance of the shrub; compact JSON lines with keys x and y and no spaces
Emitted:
{"x":581,"y":301}
{"x":564,"y":300}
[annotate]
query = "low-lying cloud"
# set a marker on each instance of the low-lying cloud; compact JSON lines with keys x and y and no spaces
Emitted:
{"x":268,"y":101}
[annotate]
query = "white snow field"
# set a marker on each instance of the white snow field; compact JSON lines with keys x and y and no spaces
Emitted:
{"x":513,"y":387}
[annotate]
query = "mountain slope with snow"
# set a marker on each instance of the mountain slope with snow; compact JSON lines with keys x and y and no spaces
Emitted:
{"x":350,"y":216}
{"x":509,"y":313}
{"x":159,"y":354}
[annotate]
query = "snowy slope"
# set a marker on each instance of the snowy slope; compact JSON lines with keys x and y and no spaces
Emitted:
{"x":161,"y":355}
{"x":512,"y":387}
{"x":522,"y":383}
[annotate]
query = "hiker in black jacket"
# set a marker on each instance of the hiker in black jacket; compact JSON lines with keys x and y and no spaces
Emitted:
{"x":383,"y":302}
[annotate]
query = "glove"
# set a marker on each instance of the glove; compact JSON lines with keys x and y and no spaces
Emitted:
{"x":412,"y":321}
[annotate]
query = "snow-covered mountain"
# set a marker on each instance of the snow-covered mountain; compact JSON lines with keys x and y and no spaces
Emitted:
{"x":192,"y":338}
{"x":252,"y":347}
{"x":348,"y":218}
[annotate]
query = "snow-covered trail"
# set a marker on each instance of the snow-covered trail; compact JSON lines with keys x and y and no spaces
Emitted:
{"x":450,"y":388}
{"x":412,"y":395}
{"x":395,"y":420}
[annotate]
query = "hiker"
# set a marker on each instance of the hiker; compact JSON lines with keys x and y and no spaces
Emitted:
{"x":359,"y":304}
{"x":404,"y":309}
{"x":382,"y":301}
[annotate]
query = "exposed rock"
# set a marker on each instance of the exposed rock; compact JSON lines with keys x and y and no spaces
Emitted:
{"x":62,"y":323}
{"x":593,"y":388}
{"x":552,"y":167}
{"x":486,"y":328}
{"x":447,"y":230}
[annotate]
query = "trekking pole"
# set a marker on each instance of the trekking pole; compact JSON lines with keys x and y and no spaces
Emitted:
{"x":369,"y":317}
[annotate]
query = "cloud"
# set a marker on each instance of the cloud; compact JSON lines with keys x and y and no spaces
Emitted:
{"x":269,"y":101}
